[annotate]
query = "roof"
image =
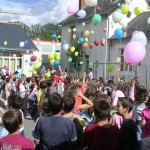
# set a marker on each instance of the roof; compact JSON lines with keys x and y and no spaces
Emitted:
{"x":107,"y":7}
{"x":139,"y":23}
{"x":46,"y":41}
{"x":14,"y":34}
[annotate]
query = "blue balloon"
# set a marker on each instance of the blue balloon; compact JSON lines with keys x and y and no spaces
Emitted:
{"x":3,"y":49}
{"x":56,"y":63}
{"x":64,"y":42}
{"x":26,"y":42}
{"x":26,"y":61}
{"x":53,"y":36}
{"x":118,"y":34}
{"x":81,"y":40}
{"x":30,"y":63}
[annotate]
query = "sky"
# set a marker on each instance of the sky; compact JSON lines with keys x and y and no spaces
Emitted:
{"x":43,"y":11}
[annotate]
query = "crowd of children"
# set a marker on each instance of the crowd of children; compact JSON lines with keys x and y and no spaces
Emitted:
{"x":74,"y":114}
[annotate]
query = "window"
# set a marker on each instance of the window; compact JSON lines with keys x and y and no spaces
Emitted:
{"x":124,"y":66}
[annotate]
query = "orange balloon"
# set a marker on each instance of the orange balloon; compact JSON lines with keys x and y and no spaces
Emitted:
{"x":86,"y":32}
{"x":85,"y":45}
{"x":105,"y":29}
{"x":124,"y":66}
{"x":103,"y":42}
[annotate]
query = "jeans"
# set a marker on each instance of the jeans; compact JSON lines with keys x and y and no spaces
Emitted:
{"x":32,"y":107}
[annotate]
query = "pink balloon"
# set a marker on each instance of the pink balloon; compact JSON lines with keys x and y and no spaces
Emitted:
{"x":71,"y":9}
{"x":134,"y":53}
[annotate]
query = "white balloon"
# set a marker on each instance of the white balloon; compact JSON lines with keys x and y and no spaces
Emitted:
{"x":91,"y":2}
{"x":66,"y":47}
{"x":124,"y":23}
{"x":74,"y":29}
{"x":117,"y":16}
{"x":81,"y":14}
{"x":140,"y":37}
{"x":21,"y":44}
{"x":148,"y":20}
{"x":128,"y":2}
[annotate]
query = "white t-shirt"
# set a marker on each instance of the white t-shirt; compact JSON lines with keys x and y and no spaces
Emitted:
{"x":91,"y":75}
{"x":22,"y":90}
{"x":32,"y":95}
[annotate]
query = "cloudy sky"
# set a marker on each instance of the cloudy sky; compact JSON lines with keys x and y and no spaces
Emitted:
{"x":43,"y":11}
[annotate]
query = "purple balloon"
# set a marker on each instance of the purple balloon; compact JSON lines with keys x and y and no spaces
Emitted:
{"x":134,"y":53}
{"x":81,"y":14}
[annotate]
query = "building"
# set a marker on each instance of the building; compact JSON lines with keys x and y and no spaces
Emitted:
{"x":12,"y":51}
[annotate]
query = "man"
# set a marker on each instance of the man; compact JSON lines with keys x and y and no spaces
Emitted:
{"x":90,"y":74}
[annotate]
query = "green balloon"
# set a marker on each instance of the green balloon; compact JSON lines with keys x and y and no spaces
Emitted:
{"x":55,"y":55}
{"x":110,"y":68}
{"x":86,"y":39}
{"x":81,"y":62}
{"x":69,"y":59}
{"x":96,"y":19}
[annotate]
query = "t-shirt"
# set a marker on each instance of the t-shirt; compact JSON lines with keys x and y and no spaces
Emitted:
{"x":146,"y":117}
{"x":22,"y":90}
{"x":52,"y":131}
{"x":32,"y":95}
{"x":96,"y":137}
{"x":16,"y":142}
{"x":128,"y":135}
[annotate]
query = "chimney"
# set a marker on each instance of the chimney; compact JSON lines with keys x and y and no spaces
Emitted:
{"x":81,"y":4}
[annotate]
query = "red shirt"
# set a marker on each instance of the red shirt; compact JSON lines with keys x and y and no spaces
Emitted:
{"x":16,"y":142}
{"x":96,"y":137}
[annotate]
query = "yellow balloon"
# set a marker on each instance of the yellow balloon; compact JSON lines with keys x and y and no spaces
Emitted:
{"x":69,"y":30}
{"x":72,"y":49}
{"x":124,"y":8}
{"x":5,"y":43}
{"x":137,"y":11}
{"x":48,"y":75}
{"x":40,"y":59}
{"x":52,"y":62}
{"x":51,"y":56}
{"x":57,"y":57}
{"x":30,"y":70}
{"x":36,"y":66}
{"x":34,"y":72}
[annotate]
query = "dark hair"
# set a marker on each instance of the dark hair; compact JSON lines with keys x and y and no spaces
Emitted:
{"x":15,"y":102}
{"x":3,"y":77}
{"x":126,"y":103}
{"x":32,"y":87}
{"x":7,"y":80}
{"x":141,"y":94}
{"x":14,"y":79}
{"x":49,"y":82}
{"x":69,"y":103}
{"x":28,"y":79}
{"x":45,"y":107}
{"x":12,"y":119}
{"x":101,"y":109}
{"x":55,"y":103}
{"x":42,"y":84}
{"x":148,"y":102}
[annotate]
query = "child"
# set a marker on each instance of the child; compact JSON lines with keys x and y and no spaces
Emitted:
{"x":128,"y":127}
{"x":146,"y":127}
{"x":12,"y":121}
{"x":101,"y":135}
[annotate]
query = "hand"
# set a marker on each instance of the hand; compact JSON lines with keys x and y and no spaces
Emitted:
{"x":133,"y":79}
{"x":84,"y":75}
{"x":78,"y":92}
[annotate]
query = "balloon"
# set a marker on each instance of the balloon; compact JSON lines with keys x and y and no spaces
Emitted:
{"x":27,"y":51}
{"x":76,"y":53}
{"x":58,"y":36}
{"x":123,"y":23}
{"x":124,"y":8}
{"x":86,"y":32}
{"x":128,"y":2}
{"x":96,"y":42}
{"x":51,"y":56}
{"x":69,"y":30}
{"x":103,"y":42}
{"x":86,"y":39}
{"x":57,"y":57}
{"x":14,"y":55}
{"x":48,"y":75}
{"x":81,"y":40}
{"x":56,"y":63}
{"x":148,"y":20}
{"x":137,"y":11}
{"x":30,"y":70}
{"x":105,"y":29}
{"x":38,"y":39}
{"x":140,"y":37}
{"x":39,"y":59}
{"x":118,"y":34}
{"x":92,"y":32}
{"x":81,"y":14}
{"x":64,"y":42}
{"x":69,"y":59}
{"x":81,"y":62}
{"x":33,"y":58}
{"x":30,"y":63}
{"x":83,"y":23}
{"x":91,"y":2}
{"x":96,"y":19}
{"x":66,"y":46}
{"x":21,"y":44}
{"x":85,"y":45}
{"x":74,"y":29}
{"x":72,"y":49}
{"x":36,"y":66}
{"x":71,"y":9}
{"x":134,"y":33}
{"x":117,"y":16}
{"x":98,"y":8}
{"x":110,"y":68}
{"x":52,"y":62}
{"x":26,"y":42}
{"x":34,"y":72}
{"x":3,"y":49}
{"x":54,"y":36}
{"x":5,"y":43}
{"x":134,"y":53}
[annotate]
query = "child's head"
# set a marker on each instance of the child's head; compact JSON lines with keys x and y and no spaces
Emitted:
{"x":55,"y":103}
{"x":14,"y":102}
{"x":148,"y":102}
{"x":12,"y":120}
{"x":69,"y":103}
{"x":101,"y":109}
{"x":42,"y":84}
{"x":124,"y":105}
{"x":45,"y":107}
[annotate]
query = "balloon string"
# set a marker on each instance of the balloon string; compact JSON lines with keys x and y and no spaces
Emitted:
{"x":127,"y":71}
